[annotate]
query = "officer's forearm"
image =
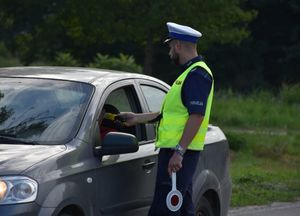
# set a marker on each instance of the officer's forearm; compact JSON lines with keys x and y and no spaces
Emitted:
{"x":146,"y":117}
{"x":191,"y":127}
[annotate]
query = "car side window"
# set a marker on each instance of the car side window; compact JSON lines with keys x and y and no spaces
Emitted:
{"x":154,"y":97}
{"x":119,"y":99}
{"x":122,"y":99}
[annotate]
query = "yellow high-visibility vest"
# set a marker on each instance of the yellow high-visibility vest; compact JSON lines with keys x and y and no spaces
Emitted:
{"x":175,"y":115}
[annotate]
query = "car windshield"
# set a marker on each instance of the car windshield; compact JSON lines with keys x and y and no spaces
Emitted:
{"x":39,"y":111}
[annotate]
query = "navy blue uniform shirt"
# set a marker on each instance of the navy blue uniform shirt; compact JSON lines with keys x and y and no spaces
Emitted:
{"x":196,"y":88}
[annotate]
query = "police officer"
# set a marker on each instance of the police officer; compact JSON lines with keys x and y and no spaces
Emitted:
{"x":183,"y":120}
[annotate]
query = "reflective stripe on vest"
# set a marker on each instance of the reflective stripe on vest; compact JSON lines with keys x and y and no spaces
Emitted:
{"x":175,"y":115}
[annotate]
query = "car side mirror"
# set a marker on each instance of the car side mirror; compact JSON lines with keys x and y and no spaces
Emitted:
{"x":117,"y":143}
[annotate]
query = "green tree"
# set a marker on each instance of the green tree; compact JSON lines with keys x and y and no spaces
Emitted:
{"x":42,"y":28}
{"x":276,"y":33}
{"x":20,"y":24}
{"x":144,"y":21}
{"x":267,"y":59}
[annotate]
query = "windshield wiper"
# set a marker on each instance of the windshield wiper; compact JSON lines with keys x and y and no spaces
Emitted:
{"x":12,"y":138}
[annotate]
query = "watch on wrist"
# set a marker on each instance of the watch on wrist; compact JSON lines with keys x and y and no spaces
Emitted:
{"x":179,"y":150}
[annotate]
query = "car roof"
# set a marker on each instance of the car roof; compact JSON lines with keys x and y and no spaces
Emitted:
{"x":80,"y":74}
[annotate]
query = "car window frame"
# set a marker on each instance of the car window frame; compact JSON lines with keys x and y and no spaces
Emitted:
{"x":150,"y":128}
{"x":134,"y":101}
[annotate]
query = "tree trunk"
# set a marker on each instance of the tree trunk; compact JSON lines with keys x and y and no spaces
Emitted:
{"x":148,"y":57}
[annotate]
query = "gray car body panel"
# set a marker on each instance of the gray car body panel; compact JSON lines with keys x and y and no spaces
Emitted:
{"x":13,"y":160}
{"x":70,"y":174}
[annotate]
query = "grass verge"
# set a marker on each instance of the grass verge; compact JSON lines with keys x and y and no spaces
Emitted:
{"x":264,"y":167}
{"x":263,"y":131}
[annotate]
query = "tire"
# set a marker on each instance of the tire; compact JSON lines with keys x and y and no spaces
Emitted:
{"x":204,"y":208}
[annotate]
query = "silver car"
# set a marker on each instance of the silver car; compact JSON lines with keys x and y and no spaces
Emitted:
{"x":64,"y":152}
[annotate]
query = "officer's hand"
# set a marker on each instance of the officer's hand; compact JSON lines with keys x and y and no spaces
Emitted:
{"x":128,"y":118}
{"x":175,"y":163}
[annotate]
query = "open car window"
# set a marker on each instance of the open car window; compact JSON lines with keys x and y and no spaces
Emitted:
{"x":120,"y":98}
{"x":123,"y":99}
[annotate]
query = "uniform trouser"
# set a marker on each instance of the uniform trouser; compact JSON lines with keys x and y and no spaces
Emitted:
{"x":184,"y":184}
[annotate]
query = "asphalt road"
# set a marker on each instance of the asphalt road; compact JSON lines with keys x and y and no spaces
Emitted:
{"x":274,"y":209}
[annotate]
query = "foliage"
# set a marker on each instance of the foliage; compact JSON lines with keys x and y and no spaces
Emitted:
{"x":269,"y":57}
{"x":266,"y":170}
{"x":291,"y":94}
{"x":6,"y":59}
{"x":262,"y":181}
{"x":222,"y":21}
{"x":122,"y":63}
{"x":277,"y":28}
{"x":236,"y":141}
{"x":41,"y":62}
{"x":36,"y":29}
{"x":257,"y":110}
{"x":65,"y":59}
{"x":248,"y":44}
{"x":262,"y":129}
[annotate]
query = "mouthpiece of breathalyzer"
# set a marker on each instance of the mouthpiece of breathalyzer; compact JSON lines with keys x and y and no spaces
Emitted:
{"x":113,"y":117}
{"x":110,"y":116}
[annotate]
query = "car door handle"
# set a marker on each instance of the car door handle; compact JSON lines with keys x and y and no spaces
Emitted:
{"x":148,"y":165}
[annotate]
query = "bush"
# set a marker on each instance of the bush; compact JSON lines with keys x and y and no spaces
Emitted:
{"x":262,"y":144}
{"x":122,"y":63}
{"x":65,"y":59}
{"x":236,"y":141}
{"x":257,"y":110}
{"x":6,"y":58}
{"x":41,"y":62}
{"x":290,"y":94}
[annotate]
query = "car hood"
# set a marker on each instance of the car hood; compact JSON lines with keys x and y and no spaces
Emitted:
{"x":14,"y":159}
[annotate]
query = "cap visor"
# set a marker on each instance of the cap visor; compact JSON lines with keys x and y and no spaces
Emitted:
{"x":168,"y":40}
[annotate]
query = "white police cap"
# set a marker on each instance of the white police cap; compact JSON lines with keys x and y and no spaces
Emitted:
{"x":182,"y":32}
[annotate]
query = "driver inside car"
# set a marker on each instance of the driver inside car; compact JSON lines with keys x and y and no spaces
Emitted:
{"x":111,"y":122}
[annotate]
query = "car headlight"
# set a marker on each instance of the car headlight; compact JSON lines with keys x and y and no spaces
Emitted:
{"x":17,"y":189}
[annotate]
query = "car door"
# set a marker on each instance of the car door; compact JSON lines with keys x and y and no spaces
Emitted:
{"x":125,"y":183}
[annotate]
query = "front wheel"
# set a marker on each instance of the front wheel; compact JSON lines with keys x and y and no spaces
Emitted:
{"x":204,"y":208}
